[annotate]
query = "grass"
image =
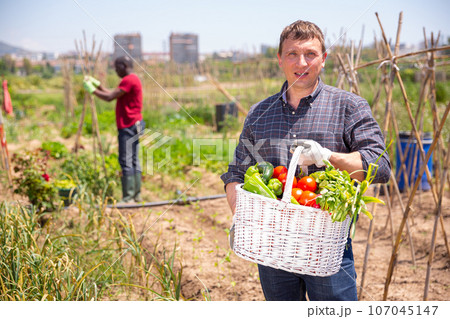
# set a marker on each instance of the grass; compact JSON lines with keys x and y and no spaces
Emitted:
{"x":81,"y":257}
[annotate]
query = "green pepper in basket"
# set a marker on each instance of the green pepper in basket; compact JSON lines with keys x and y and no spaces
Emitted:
{"x":256,"y":185}
{"x":275,"y":186}
{"x":266,"y":171}
{"x":294,"y":201}
{"x":250,"y":171}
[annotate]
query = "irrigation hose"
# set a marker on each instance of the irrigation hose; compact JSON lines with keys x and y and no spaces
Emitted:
{"x":179,"y":201}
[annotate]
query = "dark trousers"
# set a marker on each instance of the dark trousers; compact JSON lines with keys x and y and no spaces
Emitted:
{"x":129,"y":148}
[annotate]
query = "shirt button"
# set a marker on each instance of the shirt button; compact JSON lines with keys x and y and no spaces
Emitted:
{"x":293,"y":113}
{"x":294,"y":135}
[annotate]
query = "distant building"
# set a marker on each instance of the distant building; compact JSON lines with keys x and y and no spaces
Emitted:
{"x":127,"y":43}
{"x":184,"y":48}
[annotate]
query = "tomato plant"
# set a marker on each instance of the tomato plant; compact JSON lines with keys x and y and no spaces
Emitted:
{"x":307,"y":183}
{"x":297,"y":193}
{"x":308,"y":198}
{"x":277,"y":171}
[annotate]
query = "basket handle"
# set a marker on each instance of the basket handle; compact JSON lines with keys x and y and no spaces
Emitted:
{"x":291,"y":173}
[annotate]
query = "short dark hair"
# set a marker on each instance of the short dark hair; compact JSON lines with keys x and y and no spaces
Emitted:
{"x":301,"y":30}
{"x":125,"y":60}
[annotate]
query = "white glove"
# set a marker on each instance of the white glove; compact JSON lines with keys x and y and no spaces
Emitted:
{"x":313,"y":153}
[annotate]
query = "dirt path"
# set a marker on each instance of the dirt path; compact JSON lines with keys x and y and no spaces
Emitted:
{"x":199,"y":232}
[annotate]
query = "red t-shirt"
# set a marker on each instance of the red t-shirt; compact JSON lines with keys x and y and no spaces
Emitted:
{"x":129,"y":105}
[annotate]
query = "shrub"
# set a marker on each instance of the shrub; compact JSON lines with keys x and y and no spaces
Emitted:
{"x":33,"y":181}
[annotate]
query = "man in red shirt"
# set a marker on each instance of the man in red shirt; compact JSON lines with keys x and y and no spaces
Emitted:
{"x":129,"y":123}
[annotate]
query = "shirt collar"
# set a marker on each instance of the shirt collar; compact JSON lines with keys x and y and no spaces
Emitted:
{"x":310,"y":98}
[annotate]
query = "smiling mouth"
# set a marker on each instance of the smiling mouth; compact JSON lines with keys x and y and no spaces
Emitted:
{"x":299,"y":74}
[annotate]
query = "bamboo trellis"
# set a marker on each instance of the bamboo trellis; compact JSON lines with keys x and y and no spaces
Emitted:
{"x":89,"y":67}
{"x":387,"y":81}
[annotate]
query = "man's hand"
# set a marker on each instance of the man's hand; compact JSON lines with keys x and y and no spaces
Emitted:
{"x":89,"y":86}
{"x":93,"y":80}
{"x":314,"y":153}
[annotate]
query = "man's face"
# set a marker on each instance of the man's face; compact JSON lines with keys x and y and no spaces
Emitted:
{"x":120,"y":69}
{"x":301,"y":62}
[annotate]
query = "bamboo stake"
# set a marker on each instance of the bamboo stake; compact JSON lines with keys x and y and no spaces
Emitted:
{"x":89,"y":99}
{"x":228,"y":95}
{"x":408,"y":207}
{"x":442,"y":48}
{"x":368,"y":245}
{"x":83,"y":110}
{"x":408,"y":108}
{"x":438,"y":217}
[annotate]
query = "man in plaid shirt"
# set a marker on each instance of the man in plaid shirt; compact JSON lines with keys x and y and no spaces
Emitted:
{"x":338,"y":126}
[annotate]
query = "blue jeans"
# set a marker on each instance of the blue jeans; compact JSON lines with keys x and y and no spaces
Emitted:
{"x":129,"y":149}
{"x":280,"y":285}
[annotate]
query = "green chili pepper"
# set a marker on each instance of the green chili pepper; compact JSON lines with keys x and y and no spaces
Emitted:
{"x":256,"y":185}
{"x":275,"y":186}
{"x":250,"y":171}
{"x":294,"y":201}
{"x":266,"y":171}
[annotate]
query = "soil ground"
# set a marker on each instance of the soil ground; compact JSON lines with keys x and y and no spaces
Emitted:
{"x":199,"y":232}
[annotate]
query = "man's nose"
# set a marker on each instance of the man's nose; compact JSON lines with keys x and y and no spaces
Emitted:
{"x":301,"y":60}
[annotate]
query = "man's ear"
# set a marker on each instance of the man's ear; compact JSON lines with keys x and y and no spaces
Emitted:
{"x":279,"y":59}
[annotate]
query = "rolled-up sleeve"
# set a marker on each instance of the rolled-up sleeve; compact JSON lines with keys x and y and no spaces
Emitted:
{"x":242,"y":157}
{"x":365,"y":136}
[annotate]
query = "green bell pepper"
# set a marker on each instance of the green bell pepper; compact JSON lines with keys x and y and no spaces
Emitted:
{"x":275,"y":186}
{"x":256,"y":185}
{"x":250,"y":171}
{"x":266,"y":171}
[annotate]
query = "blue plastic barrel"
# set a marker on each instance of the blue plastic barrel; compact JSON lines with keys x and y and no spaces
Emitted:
{"x":413,"y":154}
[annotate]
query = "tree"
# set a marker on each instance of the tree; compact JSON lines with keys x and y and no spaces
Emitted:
{"x":28,"y":68}
{"x":7,"y":64}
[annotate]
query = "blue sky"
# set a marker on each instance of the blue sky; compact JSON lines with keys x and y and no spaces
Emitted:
{"x":53,"y":25}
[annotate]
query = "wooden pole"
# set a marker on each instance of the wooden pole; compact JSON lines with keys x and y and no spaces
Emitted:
{"x":436,"y":220}
{"x":228,"y":95}
{"x":442,"y":48}
{"x":89,"y":99}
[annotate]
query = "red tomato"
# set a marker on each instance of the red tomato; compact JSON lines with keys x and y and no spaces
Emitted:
{"x":307,"y":183}
{"x":283,"y":179}
{"x":297,"y":193}
{"x":279,"y":170}
{"x":308,"y":198}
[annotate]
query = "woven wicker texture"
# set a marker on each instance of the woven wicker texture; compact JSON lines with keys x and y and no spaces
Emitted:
{"x":282,"y":235}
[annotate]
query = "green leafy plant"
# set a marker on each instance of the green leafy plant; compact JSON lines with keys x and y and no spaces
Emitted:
{"x":57,"y":150}
{"x":83,"y":170}
{"x":33,"y":181}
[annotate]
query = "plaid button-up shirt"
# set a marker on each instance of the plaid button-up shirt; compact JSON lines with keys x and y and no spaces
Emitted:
{"x":336,"y":119}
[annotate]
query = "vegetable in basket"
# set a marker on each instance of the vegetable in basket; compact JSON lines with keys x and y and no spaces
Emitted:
{"x":341,"y":195}
{"x":254,"y":183}
{"x":266,"y":170}
{"x":275,"y":186}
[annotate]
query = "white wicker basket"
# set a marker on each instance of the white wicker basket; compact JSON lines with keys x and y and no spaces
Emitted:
{"x":282,"y":235}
